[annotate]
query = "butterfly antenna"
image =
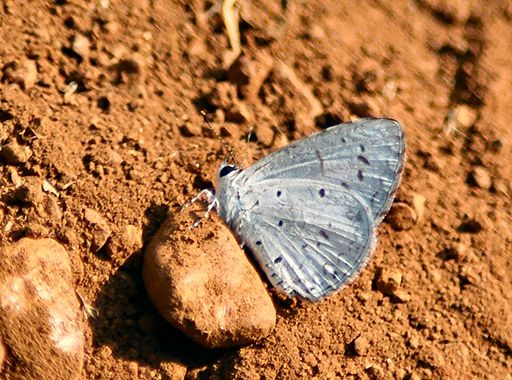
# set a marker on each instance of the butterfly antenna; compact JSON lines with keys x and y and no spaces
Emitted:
{"x":225,"y":144}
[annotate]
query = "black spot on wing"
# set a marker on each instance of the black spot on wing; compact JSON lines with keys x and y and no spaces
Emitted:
{"x":278,"y":194}
{"x":324,"y":234}
{"x":278,"y":260}
{"x":321,"y":192}
{"x":363,"y":159}
{"x":360,"y":175}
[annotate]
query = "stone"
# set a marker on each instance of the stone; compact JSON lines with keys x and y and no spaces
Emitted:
{"x":480,"y":177}
{"x":239,"y":113}
{"x":13,"y":153}
{"x":455,"y":252}
{"x":451,"y":11}
{"x":203,"y":284}
{"x":400,"y":296}
{"x":361,"y":345}
{"x":81,"y":46}
{"x":470,"y":225}
{"x":465,"y":116}
{"x":24,"y":73}
{"x":99,"y":229}
{"x":173,"y":371}
{"x":401,"y":216}
{"x":29,"y":193}
{"x":40,"y":318}
{"x":241,"y":71}
{"x":418,"y":204}
{"x":188,"y":129}
{"x":388,"y":281}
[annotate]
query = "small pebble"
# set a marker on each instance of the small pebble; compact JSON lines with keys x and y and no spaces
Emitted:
{"x":418,"y":203}
{"x":374,"y":371}
{"x":29,"y":193}
{"x":455,"y":252}
{"x":188,"y":129}
{"x":13,"y":153}
{"x":388,"y":283}
{"x":465,"y":116}
{"x":239,"y":113}
{"x":454,"y":11}
{"x":363,"y":108}
{"x":173,"y":371}
{"x":400,"y":296}
{"x":23,"y":73}
{"x":388,"y":280}
{"x":99,"y":229}
{"x":81,"y":46}
{"x":480,"y":177}
{"x":401,"y":216}
{"x":470,"y":225}
{"x":241,"y":71}
{"x":203,"y":284}
{"x":361,"y":345}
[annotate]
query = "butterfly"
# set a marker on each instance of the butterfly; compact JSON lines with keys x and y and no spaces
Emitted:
{"x":309,"y":211}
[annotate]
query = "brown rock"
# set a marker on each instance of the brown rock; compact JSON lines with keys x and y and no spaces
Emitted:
{"x":188,"y":129}
{"x":23,"y":73}
{"x":401,"y":216}
{"x":455,"y":252}
{"x":100,"y":230}
{"x":418,"y":204}
{"x":480,"y":177}
{"x":40,"y":316}
{"x":388,"y":280}
{"x":400,"y":296}
{"x":202,"y":283}
{"x":29,"y":193}
{"x":450,"y":11}
{"x":241,"y":71}
{"x":14,"y":153}
{"x":363,"y":108}
{"x":239,"y":113}
{"x":173,"y":371}
{"x":465,"y":116}
{"x":81,"y":46}
{"x":361,"y":345}
{"x":470,"y":225}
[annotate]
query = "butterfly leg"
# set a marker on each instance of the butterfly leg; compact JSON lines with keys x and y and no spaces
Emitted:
{"x":211,"y":199}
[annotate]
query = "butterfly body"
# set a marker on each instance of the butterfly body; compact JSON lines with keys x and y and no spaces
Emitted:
{"x":308,"y":212}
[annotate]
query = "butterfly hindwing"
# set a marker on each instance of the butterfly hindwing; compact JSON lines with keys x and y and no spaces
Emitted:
{"x":309,"y":237}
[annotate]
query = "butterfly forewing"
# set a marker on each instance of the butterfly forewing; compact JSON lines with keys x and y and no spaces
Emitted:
{"x":365,"y":157}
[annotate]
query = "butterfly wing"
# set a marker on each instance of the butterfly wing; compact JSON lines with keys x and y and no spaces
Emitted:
{"x":365,"y":157}
{"x":309,"y":237}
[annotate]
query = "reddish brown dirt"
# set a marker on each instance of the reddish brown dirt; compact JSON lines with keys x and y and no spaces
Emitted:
{"x":130,"y":143}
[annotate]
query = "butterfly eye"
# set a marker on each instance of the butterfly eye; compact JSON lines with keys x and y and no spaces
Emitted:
{"x":226,"y":170}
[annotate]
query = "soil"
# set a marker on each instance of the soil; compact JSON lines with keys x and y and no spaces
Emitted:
{"x":103,"y":100}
